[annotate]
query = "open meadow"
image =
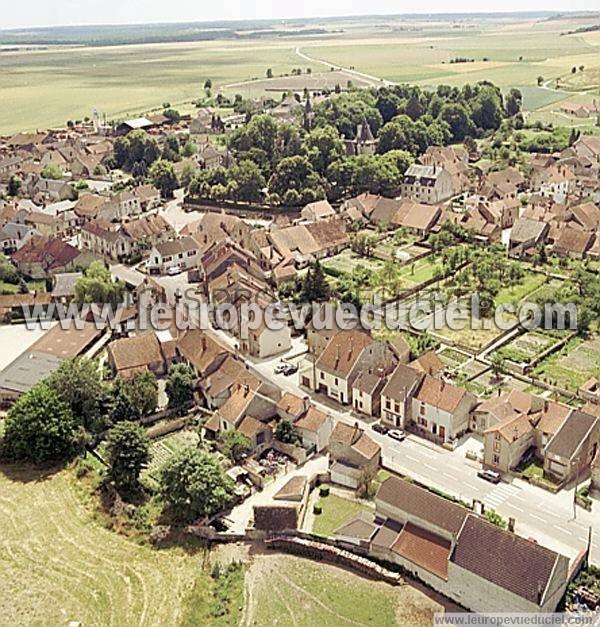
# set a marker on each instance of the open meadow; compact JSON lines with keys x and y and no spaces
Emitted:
{"x":50,"y":85}
{"x":285,"y":590}
{"x":57,"y":565}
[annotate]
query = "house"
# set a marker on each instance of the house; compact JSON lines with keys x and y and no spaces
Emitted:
{"x":428,"y":184}
{"x":571,"y":451}
{"x":366,"y":393}
{"x":41,"y":257}
{"x":353,"y":455}
{"x":216,"y":388}
{"x":88,"y":206}
{"x":319,"y":210}
{"x":440,"y":410}
{"x":397,"y":394}
{"x":588,"y":146}
{"x":107,"y":239}
{"x":131,"y":355}
{"x":202,"y":352}
{"x":313,"y":425}
{"x":477,"y":564}
{"x":13,"y":236}
{"x":498,"y":408}
{"x":526,"y":235}
{"x":324,"y":324}
{"x":148,"y":197}
{"x":556,"y":182}
{"x":416,"y":217}
{"x":123,"y":205}
{"x":342,"y":360}
{"x":178,"y":254}
{"x":573,"y":243}
{"x":507,"y":441}
{"x":63,"y":286}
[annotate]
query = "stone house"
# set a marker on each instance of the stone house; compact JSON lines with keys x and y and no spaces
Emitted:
{"x":429,"y":184}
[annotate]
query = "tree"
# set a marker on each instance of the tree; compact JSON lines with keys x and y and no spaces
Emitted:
{"x":78,"y":383}
{"x":180,"y":386}
{"x":498,"y":365}
{"x":514,"y":99}
{"x":144,"y":392}
{"x":14,"y":185}
{"x":234,"y":445}
{"x":457,"y":117}
{"x":124,"y":408}
{"x":164,"y":178}
{"x":193,"y":484}
{"x":208,"y":84}
{"x":97,"y":286}
{"x":128,"y":451}
{"x":39,"y":427}
{"x":323,"y":146}
{"x":540,"y":80}
{"x":287,"y":433}
{"x":52,"y":171}
{"x":250,"y":181}
{"x":295,"y":173}
{"x":315,"y":287}
{"x":269,"y":73}
{"x":495,"y":518}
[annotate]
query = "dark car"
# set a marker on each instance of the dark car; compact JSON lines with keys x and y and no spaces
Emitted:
{"x":489,"y":475}
{"x":379,"y":428}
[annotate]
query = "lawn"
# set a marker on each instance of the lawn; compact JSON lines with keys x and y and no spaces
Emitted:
{"x":291,"y":591}
{"x":58,"y":565}
{"x":417,"y":272}
{"x":573,"y":365}
{"x":530,"y":282}
{"x":336,"y":512}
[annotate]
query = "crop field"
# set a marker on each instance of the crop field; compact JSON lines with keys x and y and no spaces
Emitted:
{"x":57,"y":565}
{"x":290,"y":591}
{"x":577,"y":362}
{"x":51,"y":85}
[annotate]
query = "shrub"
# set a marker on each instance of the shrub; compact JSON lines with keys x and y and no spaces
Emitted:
{"x":317,"y":509}
{"x":324,"y":490}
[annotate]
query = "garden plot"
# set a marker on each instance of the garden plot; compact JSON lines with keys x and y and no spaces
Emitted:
{"x":525,"y":348}
{"x":573,"y":365}
{"x":162,"y":450}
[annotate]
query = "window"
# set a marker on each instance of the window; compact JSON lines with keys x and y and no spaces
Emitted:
{"x":397,"y":407}
{"x":496,"y":459}
{"x":336,"y":381}
{"x":497,"y":447}
{"x":322,"y":375}
{"x":422,"y":422}
{"x":422,"y":410}
{"x":388,"y":403}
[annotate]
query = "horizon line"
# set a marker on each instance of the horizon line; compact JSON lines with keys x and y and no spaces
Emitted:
{"x":348,"y":16}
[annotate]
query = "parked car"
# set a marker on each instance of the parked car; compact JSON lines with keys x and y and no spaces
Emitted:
{"x":396,"y":434}
{"x":286,"y":369}
{"x":379,"y":428}
{"x":173,"y":270}
{"x":489,"y":475}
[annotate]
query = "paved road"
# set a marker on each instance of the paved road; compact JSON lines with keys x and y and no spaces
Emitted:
{"x":539,"y":514}
{"x":346,"y":70}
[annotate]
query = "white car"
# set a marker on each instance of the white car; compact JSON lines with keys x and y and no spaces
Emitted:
{"x":396,"y":434}
{"x":173,"y":270}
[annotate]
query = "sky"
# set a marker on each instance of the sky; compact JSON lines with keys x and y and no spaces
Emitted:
{"x":63,"y":12}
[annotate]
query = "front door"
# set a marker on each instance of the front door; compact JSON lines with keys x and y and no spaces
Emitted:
{"x":443,"y":433}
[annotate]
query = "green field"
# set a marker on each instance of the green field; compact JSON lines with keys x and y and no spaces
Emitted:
{"x":58,"y":565}
{"x":290,"y":591}
{"x":49,"y":86}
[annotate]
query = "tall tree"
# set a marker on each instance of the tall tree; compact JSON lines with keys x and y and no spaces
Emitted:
{"x":79,"y":384}
{"x":193,"y":484}
{"x":128,"y":450}
{"x":180,"y":386}
{"x":39,"y":427}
